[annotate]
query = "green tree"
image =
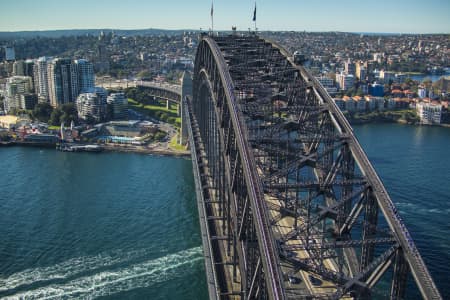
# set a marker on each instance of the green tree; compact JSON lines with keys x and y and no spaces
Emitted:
{"x":55,"y":117}
{"x":69,"y":113}
{"x":42,"y":112}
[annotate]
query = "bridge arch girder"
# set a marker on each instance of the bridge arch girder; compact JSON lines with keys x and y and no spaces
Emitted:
{"x":289,"y":192}
{"x":233,"y":179}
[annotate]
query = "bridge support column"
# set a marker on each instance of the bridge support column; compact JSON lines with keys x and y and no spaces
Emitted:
{"x":400,"y":275}
{"x":167,"y":104}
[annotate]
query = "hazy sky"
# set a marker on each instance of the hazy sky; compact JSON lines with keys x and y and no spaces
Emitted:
{"x":418,"y":16}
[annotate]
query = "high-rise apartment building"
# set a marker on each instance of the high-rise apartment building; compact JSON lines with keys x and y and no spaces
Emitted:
{"x":86,"y":77}
{"x":41,"y":79}
{"x":119,"y":106}
{"x":15,"y":87}
{"x":62,"y":81}
{"x":92,"y":104}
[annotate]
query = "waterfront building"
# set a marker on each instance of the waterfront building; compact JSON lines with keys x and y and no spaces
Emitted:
{"x":16,"y":86}
{"x":62,"y":81}
{"x":118,"y":105}
{"x":360,"y":103}
{"x":40,"y":76}
{"x":380,"y":103}
{"x":44,"y":139}
{"x":92,"y":104}
{"x":391,"y":104}
{"x":86,"y":77}
{"x":429,"y":113}
{"x":371,"y":103}
{"x":350,"y":104}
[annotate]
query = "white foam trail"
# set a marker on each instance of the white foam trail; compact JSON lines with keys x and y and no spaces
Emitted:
{"x":68,"y":268}
{"x":106,"y":283}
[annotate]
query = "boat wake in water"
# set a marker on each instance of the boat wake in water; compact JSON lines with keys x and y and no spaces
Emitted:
{"x":91,"y":277}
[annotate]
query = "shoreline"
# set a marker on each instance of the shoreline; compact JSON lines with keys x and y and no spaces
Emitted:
{"x":109,"y":148}
{"x":144,"y":150}
{"x":400,"y":121}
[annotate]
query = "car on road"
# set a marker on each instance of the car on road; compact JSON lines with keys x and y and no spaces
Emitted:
{"x":294,"y":279}
{"x":314,"y":280}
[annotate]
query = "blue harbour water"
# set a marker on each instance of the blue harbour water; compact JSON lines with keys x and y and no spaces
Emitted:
{"x":107,"y":226}
{"x":414,"y":165}
{"x":125,"y":226}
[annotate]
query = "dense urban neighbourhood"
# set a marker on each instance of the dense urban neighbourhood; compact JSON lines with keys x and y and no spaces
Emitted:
{"x":372,"y":77}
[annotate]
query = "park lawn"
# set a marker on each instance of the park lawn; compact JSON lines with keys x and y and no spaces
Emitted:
{"x":52,"y":127}
{"x":155,"y":111}
{"x":153,"y":108}
{"x":174,"y":144}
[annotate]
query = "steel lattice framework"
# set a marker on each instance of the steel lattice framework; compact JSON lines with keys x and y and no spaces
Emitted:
{"x":161,"y":92}
{"x":289,"y":204}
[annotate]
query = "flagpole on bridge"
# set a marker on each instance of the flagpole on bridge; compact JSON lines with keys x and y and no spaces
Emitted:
{"x":254,"y":16}
{"x":212,"y":17}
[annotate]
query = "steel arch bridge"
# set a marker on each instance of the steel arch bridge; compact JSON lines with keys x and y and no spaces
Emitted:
{"x":290,"y":207}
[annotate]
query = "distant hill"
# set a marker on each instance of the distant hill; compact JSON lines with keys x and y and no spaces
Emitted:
{"x":78,"y":32}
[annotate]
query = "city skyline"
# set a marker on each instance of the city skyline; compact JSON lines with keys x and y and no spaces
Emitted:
{"x":384,"y":16}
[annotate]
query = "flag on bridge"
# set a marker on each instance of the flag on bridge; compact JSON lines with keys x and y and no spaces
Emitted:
{"x":254,"y":14}
{"x":212,"y":16}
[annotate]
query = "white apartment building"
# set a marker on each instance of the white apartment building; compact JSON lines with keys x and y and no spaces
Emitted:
{"x":92,"y":104}
{"x":429,"y":113}
{"x":41,"y":79}
{"x":15,"y":87}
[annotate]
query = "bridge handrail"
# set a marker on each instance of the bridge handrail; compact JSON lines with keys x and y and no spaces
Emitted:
{"x":209,"y":265}
{"x":265,"y":239}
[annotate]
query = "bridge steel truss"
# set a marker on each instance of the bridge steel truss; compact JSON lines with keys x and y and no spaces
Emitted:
{"x":290,"y":205}
{"x":162,"y":93}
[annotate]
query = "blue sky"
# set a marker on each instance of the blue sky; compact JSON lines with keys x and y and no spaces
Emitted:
{"x":408,"y":16}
